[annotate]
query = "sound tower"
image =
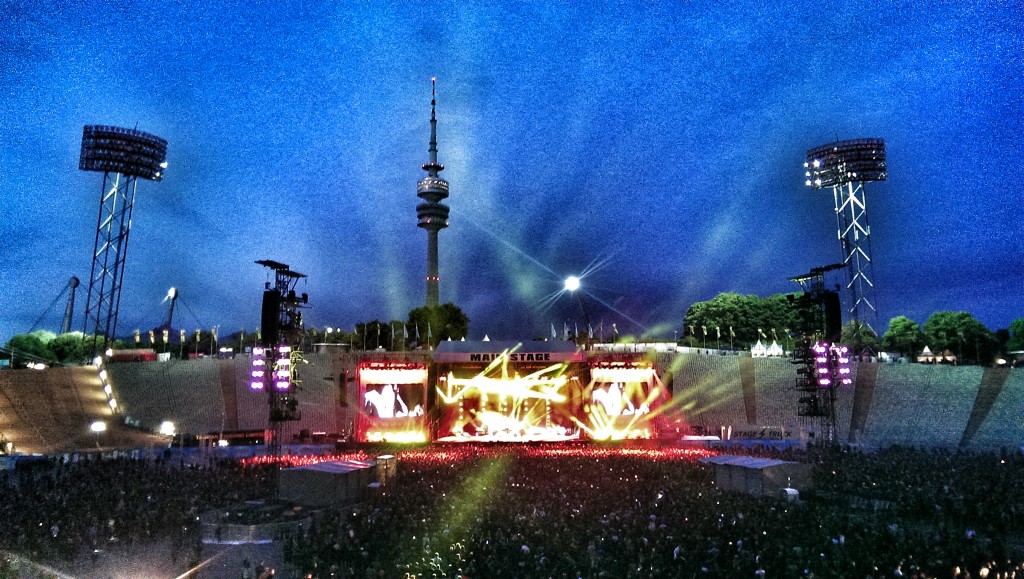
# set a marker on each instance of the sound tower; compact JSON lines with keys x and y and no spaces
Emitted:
{"x":269,"y":317}
{"x":833,"y":316}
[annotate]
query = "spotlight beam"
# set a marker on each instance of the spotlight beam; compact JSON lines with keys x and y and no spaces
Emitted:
{"x":509,"y":245}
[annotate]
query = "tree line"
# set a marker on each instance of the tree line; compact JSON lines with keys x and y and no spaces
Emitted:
{"x":729,"y":320}
{"x":737,"y":321}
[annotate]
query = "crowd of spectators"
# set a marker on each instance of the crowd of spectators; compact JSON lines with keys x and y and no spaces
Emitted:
{"x":586,"y":512}
{"x":558,"y":510}
{"x":58,"y":510}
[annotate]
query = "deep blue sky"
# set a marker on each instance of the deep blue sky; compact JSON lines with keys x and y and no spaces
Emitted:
{"x":664,"y":142}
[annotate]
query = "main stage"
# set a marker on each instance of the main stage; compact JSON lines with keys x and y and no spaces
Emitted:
{"x":507,"y":391}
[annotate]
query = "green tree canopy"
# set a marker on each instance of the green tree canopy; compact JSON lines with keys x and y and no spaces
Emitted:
{"x":438,"y":323}
{"x":31,"y":347}
{"x":372,"y":335}
{"x":1016,"y":341}
{"x":904,"y":336}
{"x":960,"y":333}
{"x":859,"y":337}
{"x":745,"y":315}
{"x":71,"y":348}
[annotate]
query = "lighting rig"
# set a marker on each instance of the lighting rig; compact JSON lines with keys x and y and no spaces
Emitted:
{"x":276,"y":360}
{"x":820,"y":327}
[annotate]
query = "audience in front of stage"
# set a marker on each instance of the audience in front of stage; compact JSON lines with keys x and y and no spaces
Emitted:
{"x":570,"y":510}
{"x":57,"y":510}
{"x":588,"y":513}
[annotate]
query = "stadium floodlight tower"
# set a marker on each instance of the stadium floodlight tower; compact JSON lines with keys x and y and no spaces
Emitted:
{"x":123,"y":156}
{"x":432,"y":214}
{"x":845,"y":166}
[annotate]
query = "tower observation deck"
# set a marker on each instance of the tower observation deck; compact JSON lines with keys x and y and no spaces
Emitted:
{"x":432,"y":214}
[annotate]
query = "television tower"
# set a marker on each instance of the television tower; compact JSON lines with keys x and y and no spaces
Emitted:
{"x":432,"y":214}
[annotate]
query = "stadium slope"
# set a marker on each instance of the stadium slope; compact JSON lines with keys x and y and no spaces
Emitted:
{"x":51,"y":411}
{"x":964,"y":407}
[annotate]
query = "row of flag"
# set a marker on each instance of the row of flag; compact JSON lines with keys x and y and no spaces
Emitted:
{"x":576,"y":330}
{"x":182,"y":336}
{"x":732,"y":334}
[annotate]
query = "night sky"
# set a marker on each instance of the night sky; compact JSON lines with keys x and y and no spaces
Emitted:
{"x":659,"y":147}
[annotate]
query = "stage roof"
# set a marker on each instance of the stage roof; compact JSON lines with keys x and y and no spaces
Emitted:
{"x":523,"y":351}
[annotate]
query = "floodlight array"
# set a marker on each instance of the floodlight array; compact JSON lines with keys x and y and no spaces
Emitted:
{"x":283,"y":368}
{"x":125,"y":151}
{"x":259,"y":368}
{"x":851,"y":161}
{"x":832,"y":365}
{"x":822,"y":367}
{"x":842,"y":357}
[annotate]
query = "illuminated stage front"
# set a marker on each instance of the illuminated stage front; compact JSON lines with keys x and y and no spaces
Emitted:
{"x":509,"y":392}
{"x":515,"y":396}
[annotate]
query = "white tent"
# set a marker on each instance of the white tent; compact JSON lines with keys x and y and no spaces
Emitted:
{"x":758,"y":351}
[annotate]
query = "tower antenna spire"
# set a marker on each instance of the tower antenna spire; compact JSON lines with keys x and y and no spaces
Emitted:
{"x":432,"y":214}
{"x":433,"y":167}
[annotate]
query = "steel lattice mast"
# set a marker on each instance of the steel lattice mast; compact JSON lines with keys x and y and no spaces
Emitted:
{"x":432,"y":215}
{"x":123,"y":155}
{"x":845,"y":166}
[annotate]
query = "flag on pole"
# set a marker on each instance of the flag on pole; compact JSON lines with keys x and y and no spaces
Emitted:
{"x":718,"y":332}
{"x":151,"y":338}
{"x":692,"y":333}
{"x":590,"y":331}
{"x":405,"y":331}
{"x":182,"y":336}
{"x":774,"y":335}
{"x":137,"y":337}
{"x":565,"y":330}
{"x":732,"y":334}
{"x":167,"y":335}
{"x":705,"y":330}
{"x":554,"y":334}
{"x":575,"y":329}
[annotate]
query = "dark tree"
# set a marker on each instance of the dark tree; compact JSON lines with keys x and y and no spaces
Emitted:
{"x":859,"y":337}
{"x":903,"y":336}
{"x":961,"y":334}
{"x":748,"y":317}
{"x":434,"y":324}
{"x":1015,"y":340}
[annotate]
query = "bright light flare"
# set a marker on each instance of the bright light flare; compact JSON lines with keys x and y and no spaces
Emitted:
{"x":393,"y":375}
{"x":572,"y":283}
